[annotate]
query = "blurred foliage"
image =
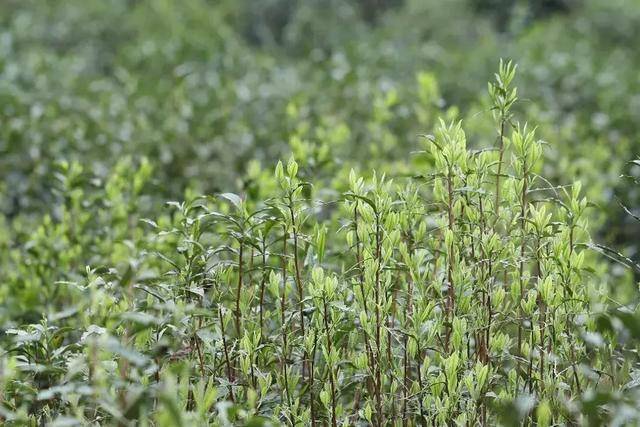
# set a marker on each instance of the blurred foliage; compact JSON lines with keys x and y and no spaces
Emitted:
{"x":201,"y":88}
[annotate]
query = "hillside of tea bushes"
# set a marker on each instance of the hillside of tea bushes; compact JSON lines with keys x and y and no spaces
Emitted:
{"x":317,"y":213}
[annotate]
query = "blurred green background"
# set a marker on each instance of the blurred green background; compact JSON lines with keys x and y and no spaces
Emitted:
{"x":208,"y":90}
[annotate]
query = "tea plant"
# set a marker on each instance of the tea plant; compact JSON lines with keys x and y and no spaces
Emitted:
{"x":464,"y":295}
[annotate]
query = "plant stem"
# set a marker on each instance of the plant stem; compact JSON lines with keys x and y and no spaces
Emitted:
{"x":501,"y":155}
{"x":311,"y":379}
{"x":405,"y":356}
{"x":263,"y":282}
{"x":378,"y":371}
{"x":282,"y":315}
{"x":226,"y":352}
{"x":451,"y":288}
{"x":361,"y":279}
{"x":523,"y":232}
{"x":239,"y":289}
{"x":332,"y":385}
{"x":299,"y":286}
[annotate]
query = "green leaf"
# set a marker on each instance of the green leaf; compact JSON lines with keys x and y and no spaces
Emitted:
{"x":233,"y":198}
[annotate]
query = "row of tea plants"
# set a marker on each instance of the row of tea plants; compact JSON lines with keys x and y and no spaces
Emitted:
{"x":463,"y":294}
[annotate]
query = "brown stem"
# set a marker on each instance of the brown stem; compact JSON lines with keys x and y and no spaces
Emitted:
{"x":282,"y":315}
{"x":523,"y":218}
{"x":450,"y":289}
{"x":380,"y":414}
{"x":239,"y":290}
{"x":299,"y":286}
{"x":543,"y":311}
{"x":263,"y":282}
{"x":332,"y":385}
{"x":196,"y":340}
{"x":531,"y":344}
{"x":570,"y":318}
{"x":359,"y":258}
{"x":360,"y":266}
{"x":311,"y":379}
{"x":225,"y":347}
{"x":406,"y":362}
{"x":420,"y":386}
{"x":501,"y":137}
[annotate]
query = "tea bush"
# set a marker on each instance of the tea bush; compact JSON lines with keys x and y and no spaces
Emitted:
{"x":463,"y":293}
{"x":380,"y":275}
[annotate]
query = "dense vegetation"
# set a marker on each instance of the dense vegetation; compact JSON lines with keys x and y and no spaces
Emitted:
{"x":315,"y":213}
